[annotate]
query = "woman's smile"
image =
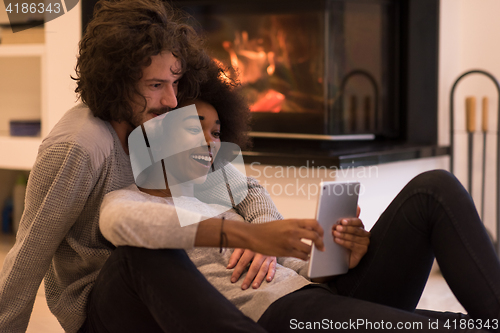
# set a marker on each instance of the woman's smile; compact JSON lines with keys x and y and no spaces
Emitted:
{"x":203,"y":159}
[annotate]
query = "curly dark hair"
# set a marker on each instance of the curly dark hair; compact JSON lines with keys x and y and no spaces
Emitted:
{"x":120,"y":41}
{"x":223,"y":93}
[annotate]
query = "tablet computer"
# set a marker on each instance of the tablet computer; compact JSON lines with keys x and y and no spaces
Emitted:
{"x":336,"y":200}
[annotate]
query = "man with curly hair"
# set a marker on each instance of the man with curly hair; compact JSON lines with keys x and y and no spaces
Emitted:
{"x":136,"y":59}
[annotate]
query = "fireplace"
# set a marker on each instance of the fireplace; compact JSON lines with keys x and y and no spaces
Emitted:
{"x":329,"y":69}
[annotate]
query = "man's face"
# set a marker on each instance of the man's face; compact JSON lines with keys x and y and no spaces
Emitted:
{"x":159,"y":84}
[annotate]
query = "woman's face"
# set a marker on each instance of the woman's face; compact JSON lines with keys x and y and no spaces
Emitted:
{"x":197,"y":138}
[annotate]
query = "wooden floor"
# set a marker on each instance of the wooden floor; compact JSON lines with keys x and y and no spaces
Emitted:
{"x":437,"y":296}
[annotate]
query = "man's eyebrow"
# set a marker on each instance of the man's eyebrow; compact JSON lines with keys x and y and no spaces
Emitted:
{"x":176,"y":77}
{"x":158,"y":80}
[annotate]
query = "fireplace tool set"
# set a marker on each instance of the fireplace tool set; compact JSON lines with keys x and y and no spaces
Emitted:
{"x":470,"y":110}
{"x":370,"y":121}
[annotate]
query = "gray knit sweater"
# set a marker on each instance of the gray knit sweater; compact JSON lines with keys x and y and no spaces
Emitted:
{"x":79,"y":162}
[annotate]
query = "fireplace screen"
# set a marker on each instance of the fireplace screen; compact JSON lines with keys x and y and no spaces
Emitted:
{"x":325,"y":68}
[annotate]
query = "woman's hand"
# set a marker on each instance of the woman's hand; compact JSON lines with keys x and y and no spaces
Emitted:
{"x":283,"y":238}
{"x":261,"y":267}
{"x":351,"y":234}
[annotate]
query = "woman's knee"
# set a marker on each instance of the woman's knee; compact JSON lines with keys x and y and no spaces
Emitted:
{"x":440,"y":180}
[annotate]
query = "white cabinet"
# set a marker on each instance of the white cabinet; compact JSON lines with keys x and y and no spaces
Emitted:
{"x":35,"y":83}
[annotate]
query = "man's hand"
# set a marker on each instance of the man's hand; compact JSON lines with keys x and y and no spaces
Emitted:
{"x":261,"y":267}
{"x":351,"y":234}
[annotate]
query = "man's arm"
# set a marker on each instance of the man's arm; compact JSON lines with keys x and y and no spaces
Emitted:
{"x":259,"y":267}
{"x":58,"y":185}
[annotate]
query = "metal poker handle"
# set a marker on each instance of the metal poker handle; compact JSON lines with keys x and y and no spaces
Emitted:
{"x":470,"y":114}
{"x":484,"y":127}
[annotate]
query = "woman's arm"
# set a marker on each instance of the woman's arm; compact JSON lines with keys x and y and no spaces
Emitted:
{"x":130,"y":218}
{"x":281,"y":238}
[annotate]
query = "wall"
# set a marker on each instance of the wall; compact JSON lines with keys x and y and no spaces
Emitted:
{"x":469,"y":30}
{"x":62,"y":37}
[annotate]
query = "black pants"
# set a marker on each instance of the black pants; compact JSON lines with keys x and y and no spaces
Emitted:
{"x":432,"y":216}
{"x":142,"y":290}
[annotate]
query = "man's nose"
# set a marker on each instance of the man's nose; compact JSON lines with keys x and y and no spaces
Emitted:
{"x":169,"y":97}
